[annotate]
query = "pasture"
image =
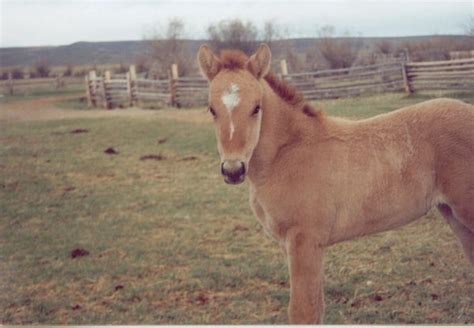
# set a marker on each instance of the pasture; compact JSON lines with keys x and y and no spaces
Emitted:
{"x":122,"y":217}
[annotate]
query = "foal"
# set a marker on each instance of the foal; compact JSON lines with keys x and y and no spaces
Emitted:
{"x":316,"y":180}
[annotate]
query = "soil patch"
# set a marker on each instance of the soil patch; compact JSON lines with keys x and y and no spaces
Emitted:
{"x":153,"y":157}
{"x":79,"y":252}
{"x":75,"y":131}
{"x":111,"y":151}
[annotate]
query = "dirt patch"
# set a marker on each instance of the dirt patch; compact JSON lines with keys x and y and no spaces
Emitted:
{"x":377,"y":298}
{"x":200,"y":299}
{"x":44,"y":109}
{"x":79,"y":252}
{"x":76,"y":131}
{"x":239,"y":227}
{"x":153,"y":157}
{"x":189,"y":158}
{"x":110,"y":151}
{"x":69,"y":189}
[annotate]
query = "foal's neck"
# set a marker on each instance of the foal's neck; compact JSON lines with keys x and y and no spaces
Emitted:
{"x":281,"y":126}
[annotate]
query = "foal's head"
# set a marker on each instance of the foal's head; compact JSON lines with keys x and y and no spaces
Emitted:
{"x":235,"y":100}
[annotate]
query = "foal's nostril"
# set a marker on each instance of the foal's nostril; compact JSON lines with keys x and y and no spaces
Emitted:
{"x":233,"y":169}
{"x":242,"y":167}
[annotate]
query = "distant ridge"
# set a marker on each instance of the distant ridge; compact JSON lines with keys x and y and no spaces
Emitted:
{"x":126,"y":52}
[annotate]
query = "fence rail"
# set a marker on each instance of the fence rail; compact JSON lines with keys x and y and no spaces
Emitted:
{"x":394,"y":76}
{"x":441,"y":75}
{"x":27,"y":86}
{"x":348,"y":81}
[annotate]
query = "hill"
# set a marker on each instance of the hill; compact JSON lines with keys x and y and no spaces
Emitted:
{"x":116,"y":52}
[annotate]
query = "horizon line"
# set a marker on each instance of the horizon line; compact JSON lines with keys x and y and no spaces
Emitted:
{"x":204,"y":39}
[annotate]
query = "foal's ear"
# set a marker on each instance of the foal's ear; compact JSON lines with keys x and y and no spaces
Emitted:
{"x":209,"y":64}
{"x":259,"y":63}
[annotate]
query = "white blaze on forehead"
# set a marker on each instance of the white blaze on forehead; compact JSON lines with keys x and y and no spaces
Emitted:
{"x":231,"y":98}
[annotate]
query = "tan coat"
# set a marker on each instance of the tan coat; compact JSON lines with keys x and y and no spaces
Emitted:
{"x":317,"y":180}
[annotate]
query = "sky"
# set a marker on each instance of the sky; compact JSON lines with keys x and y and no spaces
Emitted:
{"x":62,"y":22}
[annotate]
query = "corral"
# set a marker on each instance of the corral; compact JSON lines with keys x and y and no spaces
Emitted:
{"x":395,"y":76}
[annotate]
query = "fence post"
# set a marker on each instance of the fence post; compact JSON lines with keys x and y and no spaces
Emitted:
{"x":88,"y":91}
{"x":407,"y":55}
{"x":9,"y":84}
{"x":283,"y":68}
{"x":173,"y":85}
{"x":58,"y":81}
{"x":93,"y":87}
{"x":131,"y":85}
{"x":129,"y":90}
{"x":104,"y":89}
{"x":406,"y":81}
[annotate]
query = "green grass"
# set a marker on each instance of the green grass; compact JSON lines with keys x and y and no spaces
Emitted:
{"x":361,"y":107}
{"x":41,"y":93}
{"x":170,"y":243}
{"x":74,"y":103}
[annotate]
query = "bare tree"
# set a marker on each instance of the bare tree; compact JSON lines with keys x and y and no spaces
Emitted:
{"x":167,"y":47}
{"x":434,"y":48}
{"x":17,"y":73}
{"x":233,"y":34}
{"x":141,"y":64}
{"x":121,"y":69}
{"x":271,"y":33}
{"x":295,"y":60}
{"x":69,"y":70}
{"x":469,"y":26}
{"x":384,"y":47}
{"x":338,"y":52}
{"x":42,"y":68}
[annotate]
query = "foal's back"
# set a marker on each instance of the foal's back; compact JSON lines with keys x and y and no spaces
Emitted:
{"x":403,"y":163}
{"x":443,"y":130}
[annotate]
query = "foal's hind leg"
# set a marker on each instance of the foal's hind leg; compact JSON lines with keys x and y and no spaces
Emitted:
{"x":464,"y":234}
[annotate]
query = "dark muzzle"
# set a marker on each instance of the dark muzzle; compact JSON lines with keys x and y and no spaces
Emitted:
{"x":233,"y":171}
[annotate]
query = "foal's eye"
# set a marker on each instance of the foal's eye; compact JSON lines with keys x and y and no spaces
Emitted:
{"x":212,"y":111}
{"x":256,"y":110}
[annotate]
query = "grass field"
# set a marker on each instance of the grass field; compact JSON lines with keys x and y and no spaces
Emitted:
{"x":148,"y":233}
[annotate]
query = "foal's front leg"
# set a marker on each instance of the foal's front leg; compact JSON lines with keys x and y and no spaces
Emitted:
{"x":305,"y":259}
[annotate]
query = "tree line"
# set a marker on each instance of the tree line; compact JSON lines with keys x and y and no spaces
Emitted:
{"x":330,"y":50}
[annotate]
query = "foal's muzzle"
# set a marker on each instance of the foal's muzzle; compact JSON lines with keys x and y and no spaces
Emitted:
{"x":233,"y":171}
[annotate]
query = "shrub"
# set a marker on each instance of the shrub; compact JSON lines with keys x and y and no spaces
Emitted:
{"x":17,"y":73}
{"x":122,"y":69}
{"x":42,"y":68}
{"x":233,"y":34}
{"x":339,"y":53}
{"x":69,"y":70}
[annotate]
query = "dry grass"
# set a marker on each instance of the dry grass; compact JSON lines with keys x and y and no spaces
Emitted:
{"x":169,"y":242}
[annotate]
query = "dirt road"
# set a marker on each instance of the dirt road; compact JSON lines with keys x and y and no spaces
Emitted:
{"x":45,"y":109}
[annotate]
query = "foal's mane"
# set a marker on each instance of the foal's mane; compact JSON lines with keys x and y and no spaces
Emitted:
{"x":236,"y":59}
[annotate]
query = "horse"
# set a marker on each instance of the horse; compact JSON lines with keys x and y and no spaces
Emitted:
{"x":316,"y":180}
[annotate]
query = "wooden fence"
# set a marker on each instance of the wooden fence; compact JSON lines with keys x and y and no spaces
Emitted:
{"x":441,"y":75}
{"x":131,"y":90}
{"x":396,"y":76}
{"x":13,"y":87}
{"x":347,"y":82}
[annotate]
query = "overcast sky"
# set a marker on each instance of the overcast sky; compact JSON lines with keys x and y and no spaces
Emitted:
{"x":60,"y":22}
